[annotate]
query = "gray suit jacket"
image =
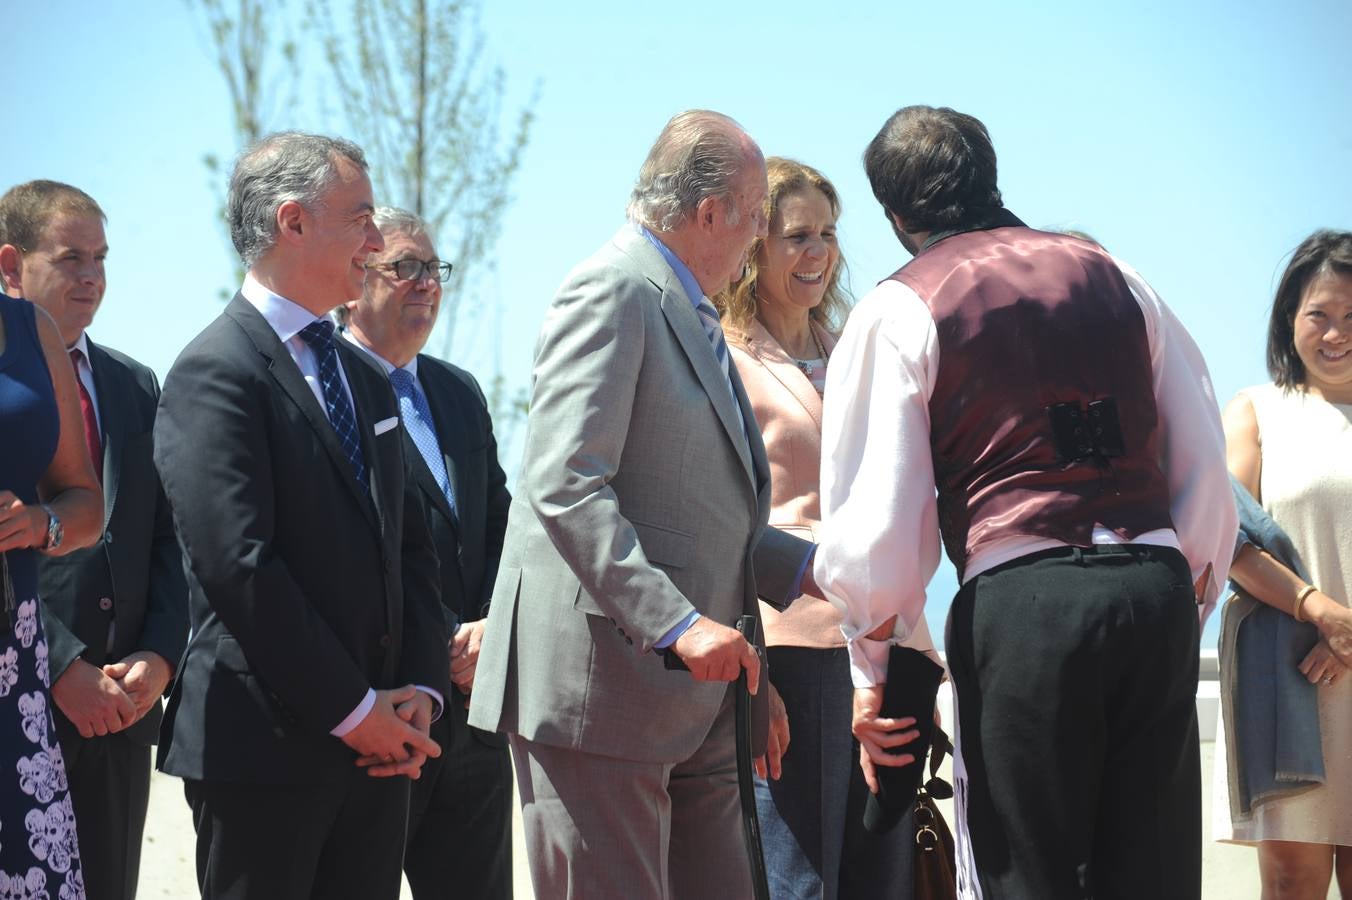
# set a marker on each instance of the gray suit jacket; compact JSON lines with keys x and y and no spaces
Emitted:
{"x":641,"y":498}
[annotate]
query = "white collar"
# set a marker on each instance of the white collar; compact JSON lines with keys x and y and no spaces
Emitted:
{"x":411,"y":368}
{"x":286,"y":317}
{"x":82,"y":344}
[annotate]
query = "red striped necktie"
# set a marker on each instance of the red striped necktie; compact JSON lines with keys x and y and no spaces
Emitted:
{"x":91,"y":424}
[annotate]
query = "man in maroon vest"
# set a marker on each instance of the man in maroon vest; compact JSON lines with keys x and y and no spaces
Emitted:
{"x":1030,"y":399}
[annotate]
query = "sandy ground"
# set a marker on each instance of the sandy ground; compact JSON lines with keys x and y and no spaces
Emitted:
{"x":1228,"y":872}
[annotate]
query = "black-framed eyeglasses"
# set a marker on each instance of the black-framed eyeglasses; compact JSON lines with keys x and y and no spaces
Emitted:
{"x":411,"y":268}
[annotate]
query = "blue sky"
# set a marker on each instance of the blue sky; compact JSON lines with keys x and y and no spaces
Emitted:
{"x":1199,"y":140}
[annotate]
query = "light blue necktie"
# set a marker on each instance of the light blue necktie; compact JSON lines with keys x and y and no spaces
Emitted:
{"x":319,"y":335}
{"x":708,"y":317}
{"x":713,"y":330}
{"x":418,"y":420}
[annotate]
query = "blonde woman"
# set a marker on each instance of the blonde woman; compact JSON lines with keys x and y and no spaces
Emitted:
{"x":780,"y":320}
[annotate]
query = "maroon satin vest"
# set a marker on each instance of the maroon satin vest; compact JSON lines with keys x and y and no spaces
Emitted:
{"x":1026,"y":320}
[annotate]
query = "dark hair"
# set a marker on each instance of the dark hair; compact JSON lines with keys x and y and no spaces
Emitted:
{"x":932,"y":167}
{"x":27,"y":209}
{"x":1323,"y":252}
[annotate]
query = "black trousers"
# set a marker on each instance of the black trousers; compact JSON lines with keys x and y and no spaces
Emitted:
{"x":1076,"y":677}
{"x":460,"y":816}
{"x":109,"y":781}
{"x":340,"y":840}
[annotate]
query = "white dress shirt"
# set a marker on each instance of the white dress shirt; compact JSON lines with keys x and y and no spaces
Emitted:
{"x":84,"y":370}
{"x":879,"y":542}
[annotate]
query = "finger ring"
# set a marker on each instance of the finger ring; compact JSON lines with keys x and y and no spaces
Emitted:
{"x":1328,"y":679}
{"x":389,"y":757}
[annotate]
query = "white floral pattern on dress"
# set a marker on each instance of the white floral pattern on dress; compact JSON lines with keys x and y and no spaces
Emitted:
{"x":26,"y":628}
{"x":32,"y":886}
{"x":51,"y":834}
{"x":33,"y":708}
{"x":73,"y":887}
{"x":9,"y":670}
{"x":43,"y":775}
{"x":42,"y":666}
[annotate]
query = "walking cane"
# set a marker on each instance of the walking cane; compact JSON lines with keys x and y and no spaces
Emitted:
{"x":746,"y":787}
{"x":749,"y":626}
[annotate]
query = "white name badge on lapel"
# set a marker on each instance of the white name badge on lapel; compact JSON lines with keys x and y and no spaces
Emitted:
{"x":385,"y":425}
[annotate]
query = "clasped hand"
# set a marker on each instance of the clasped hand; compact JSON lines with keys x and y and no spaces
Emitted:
{"x":105,"y":701}
{"x":393,"y":739}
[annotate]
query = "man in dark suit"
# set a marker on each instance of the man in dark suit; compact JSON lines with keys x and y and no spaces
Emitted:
{"x":318,"y":654}
{"x":116,"y":612}
{"x":460,"y":812}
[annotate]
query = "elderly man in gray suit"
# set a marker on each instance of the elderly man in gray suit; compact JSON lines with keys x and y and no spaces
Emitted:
{"x":639,"y":529}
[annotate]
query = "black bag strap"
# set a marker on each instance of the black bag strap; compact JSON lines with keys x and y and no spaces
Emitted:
{"x":936,"y":787}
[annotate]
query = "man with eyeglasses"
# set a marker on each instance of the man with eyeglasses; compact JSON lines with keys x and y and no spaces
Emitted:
{"x":460,"y":817}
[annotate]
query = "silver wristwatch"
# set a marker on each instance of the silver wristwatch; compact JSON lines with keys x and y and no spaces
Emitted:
{"x":54,"y":530}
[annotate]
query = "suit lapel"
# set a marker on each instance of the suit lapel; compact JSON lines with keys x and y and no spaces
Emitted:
{"x":369,"y":387}
{"x":113,"y":402}
{"x":685,"y":324}
{"x":372,"y":395}
{"x":288,"y":377}
{"x":448,"y":419}
{"x":427,"y":482}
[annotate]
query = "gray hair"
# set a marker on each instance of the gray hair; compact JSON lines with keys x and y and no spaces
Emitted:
{"x":393,"y":219}
{"x":288,"y":165}
{"x":699,"y":154}
{"x":389,"y":220}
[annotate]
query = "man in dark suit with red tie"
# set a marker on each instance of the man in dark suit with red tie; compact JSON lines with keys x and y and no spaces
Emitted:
{"x":116,"y":612}
{"x":318,"y":655}
{"x":460,"y":812}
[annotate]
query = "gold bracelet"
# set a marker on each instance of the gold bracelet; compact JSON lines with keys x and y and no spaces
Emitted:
{"x":1304,"y":594}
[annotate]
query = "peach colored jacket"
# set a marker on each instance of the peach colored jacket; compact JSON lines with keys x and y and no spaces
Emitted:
{"x":789,"y":412}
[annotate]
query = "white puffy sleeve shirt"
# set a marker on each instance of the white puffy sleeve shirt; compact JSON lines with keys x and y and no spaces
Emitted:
{"x":879,"y":543}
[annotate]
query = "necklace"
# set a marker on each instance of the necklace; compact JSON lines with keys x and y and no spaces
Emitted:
{"x":806,"y":367}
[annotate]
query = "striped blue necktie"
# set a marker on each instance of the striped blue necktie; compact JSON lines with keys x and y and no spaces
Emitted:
{"x":417,"y":418}
{"x":319,"y":335}
{"x":708,"y":317}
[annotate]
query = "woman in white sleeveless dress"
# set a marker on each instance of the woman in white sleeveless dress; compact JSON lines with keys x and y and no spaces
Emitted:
{"x":1290,"y":444}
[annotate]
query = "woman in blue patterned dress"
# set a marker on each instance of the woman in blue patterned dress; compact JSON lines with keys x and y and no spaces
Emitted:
{"x":50,"y":502}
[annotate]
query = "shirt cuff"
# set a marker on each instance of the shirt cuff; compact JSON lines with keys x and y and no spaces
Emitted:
{"x":868,"y":661}
{"x":436,"y":698}
{"x":355,"y":717}
{"x":680,"y":628}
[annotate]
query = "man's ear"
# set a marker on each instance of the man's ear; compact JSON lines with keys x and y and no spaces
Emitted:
{"x":708,"y":212}
{"x":11,"y":270}
{"x":292,"y":220}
